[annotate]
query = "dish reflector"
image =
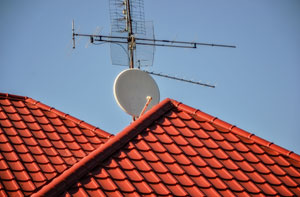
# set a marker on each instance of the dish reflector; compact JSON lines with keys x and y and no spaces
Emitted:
{"x":131,"y":89}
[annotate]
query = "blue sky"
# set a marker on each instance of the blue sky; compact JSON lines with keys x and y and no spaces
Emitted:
{"x":257,"y":83}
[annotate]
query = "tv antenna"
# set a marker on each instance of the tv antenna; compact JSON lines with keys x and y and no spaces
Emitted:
{"x":132,"y":44}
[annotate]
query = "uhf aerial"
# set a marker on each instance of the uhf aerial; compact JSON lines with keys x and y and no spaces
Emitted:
{"x":132,"y":44}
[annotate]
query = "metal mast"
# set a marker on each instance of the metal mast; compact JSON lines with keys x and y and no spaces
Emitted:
{"x":131,"y":40}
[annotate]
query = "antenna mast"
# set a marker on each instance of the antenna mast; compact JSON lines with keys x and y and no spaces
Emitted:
{"x":131,"y":40}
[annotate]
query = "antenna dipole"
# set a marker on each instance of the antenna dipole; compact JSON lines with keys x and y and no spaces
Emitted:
{"x":180,"y":79}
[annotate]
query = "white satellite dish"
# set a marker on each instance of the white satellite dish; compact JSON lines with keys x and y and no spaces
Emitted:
{"x":132,"y":87}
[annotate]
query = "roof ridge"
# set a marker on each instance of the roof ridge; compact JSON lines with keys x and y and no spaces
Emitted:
{"x":12,"y":96}
{"x":236,"y":130}
{"x":69,"y":117}
{"x":80,"y":169}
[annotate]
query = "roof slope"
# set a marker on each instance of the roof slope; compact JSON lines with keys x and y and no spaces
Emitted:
{"x":177,"y":150}
{"x":38,"y":143}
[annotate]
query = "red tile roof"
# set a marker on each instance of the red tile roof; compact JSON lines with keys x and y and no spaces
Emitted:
{"x":38,"y":143}
{"x":177,"y":150}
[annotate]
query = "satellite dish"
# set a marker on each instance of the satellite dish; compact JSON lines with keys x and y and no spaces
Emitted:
{"x":132,"y":87}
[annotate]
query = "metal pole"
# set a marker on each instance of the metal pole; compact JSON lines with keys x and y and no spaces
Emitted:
{"x":131,"y":40}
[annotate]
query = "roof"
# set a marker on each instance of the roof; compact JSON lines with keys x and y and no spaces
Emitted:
{"x":38,"y":143}
{"x":175,"y":149}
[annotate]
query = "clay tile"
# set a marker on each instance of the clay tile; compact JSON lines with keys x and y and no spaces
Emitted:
{"x":277,"y":170}
{"x":47,"y":128}
{"x":116,"y":173}
{"x":256,"y":177}
{"x":157,"y":129}
{"x":171,"y":130}
{"x":182,"y":159}
{"x":59,"y":144}
{"x":134,"y":154}
{"x":177,"y":190}
{"x":47,"y":168}
{"x":186,"y":132}
{"x":234,"y":185}
{"x":209,"y":143}
{"x":224,"y":174}
{"x":283,"y":191}
{"x":5,"y":123}
{"x":150,"y":156}
{"x":270,"y":178}
{"x":89,"y":183}
{"x":207,"y":126}
{"x":18,"y":103}
{"x":208,"y":172}
{"x":218,"y":184}
{"x":61,"y":129}
{"x":175,"y":168}
{"x":219,"y":153}
{"x":50,"y":151}
{"x":216,"y":136}
{"x":241,"y":147}
{"x":204,"y":152}
{"x":26,"y":157}
{"x":198,"y":161}
{"x":183,"y":141}
{"x":6,"y":147}
{"x":163,"y":138}
{"x":173,"y":148}
{"x":68,"y":123}
{"x":225,"y":145}
{"x":10,"y":156}
{"x":126,"y":164}
{"x":9,"y":109}
{"x":260,"y":168}
{"x":14,"y":117}
{"x":267,"y":189}
{"x":194,"y":191}
{"x":157,"y":147}
{"x":229,"y":164}
{"x":20,"y":148}
{"x":6,"y":175}
{"x":28,"y":186}
{"x":245,"y":166}
{"x":234,"y":155}
{"x":190,"y":151}
{"x":142,"y":165}
{"x":41,"y":159}
{"x":21,"y":176}
{"x":3,"y":116}
{"x":166,"y":157}
{"x":231,"y":137}
{"x":142,"y":145}
{"x":34,"y":126}
{"x":160,"y":189}
{"x":158,"y":167}
{"x":28,"y":118}
{"x":20,"y":124}
{"x":191,"y":170}
{"x":201,"y":182}
{"x":183,"y":115}
{"x":292,"y":172}
{"x":134,"y":175}
{"x":288,"y":181}
{"x":125,"y":186}
{"x":266,"y":159}
{"x":142,"y":188}
{"x":250,"y":187}
{"x":150,"y":177}
{"x":42,"y":119}
{"x":81,"y":139}
{"x":3,"y":165}
{"x":192,"y":124}
{"x":56,"y":121}
{"x":256,"y":149}
{"x":15,"y":165}
{"x":163,"y":122}
{"x":108,"y":184}
{"x":149,"y":137}
{"x":10,"y":185}
{"x":239,"y":175}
